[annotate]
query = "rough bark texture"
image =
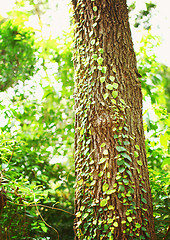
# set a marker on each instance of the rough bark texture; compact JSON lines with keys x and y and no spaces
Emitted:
{"x":113,"y":198}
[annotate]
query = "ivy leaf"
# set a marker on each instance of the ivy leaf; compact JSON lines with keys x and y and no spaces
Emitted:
{"x":86,"y":151}
{"x":93,"y":183}
{"x":113,"y":101}
{"x":121,"y":169}
{"x":121,"y":149}
{"x":125,"y":181}
{"x":91,"y":162}
{"x":144,"y":200}
{"x":129,"y":219}
{"x":109,"y":86}
{"x":144,"y":190}
{"x":109,"y":221}
{"x":137,"y":225}
{"x":115,"y":224}
{"x":101,"y":50}
{"x":137,"y":147}
{"x":78,"y":214}
{"x":115,"y":85}
{"x":126,"y":143}
{"x":136,"y":154}
{"x":126,"y":156}
{"x":139,"y":163}
{"x":114,"y":69}
{"x":82,"y":208}
{"x":147,"y":234}
{"x":122,"y":101}
{"x":85,"y":215}
{"x":108,"y":174}
{"x":95,"y":56}
{"x":112,"y":78}
{"x":118,"y":177}
{"x":93,"y":41}
{"x":94,"y":8}
{"x":129,"y":173}
{"x":122,"y":188}
{"x":105,"y":96}
{"x":126,"y":128}
{"x":103,"y":70}
{"x":143,"y":229}
{"x":82,"y":131}
{"x":103,"y":145}
{"x":110,"y":207}
{"x":95,"y":24}
{"x":102,"y":160}
{"x":115,"y":94}
{"x":43,"y":227}
{"x":127,"y":164}
{"x":106,"y":227}
{"x":103,"y":202}
{"x":100,"y":60}
{"x":91,"y":33}
{"x":120,"y":162}
{"x":105,"y":152}
{"x":102,"y":79}
{"x":100,"y":174}
{"x":110,"y":191}
{"x":105,"y":187}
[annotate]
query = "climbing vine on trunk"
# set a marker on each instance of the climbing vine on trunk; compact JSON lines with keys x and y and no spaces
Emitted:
{"x":112,"y":199}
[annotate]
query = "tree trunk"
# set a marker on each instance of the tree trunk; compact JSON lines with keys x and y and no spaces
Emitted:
{"x":113,"y":197}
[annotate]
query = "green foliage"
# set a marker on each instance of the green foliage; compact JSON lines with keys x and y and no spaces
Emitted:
{"x":149,"y":68}
{"x":154,"y":77}
{"x":26,"y":187}
{"x":132,"y":6}
{"x":41,"y":129}
{"x":144,"y":16}
{"x":160,"y":188}
{"x":17,"y":54}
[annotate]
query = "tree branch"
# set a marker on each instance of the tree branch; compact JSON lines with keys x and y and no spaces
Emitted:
{"x":168,"y":230}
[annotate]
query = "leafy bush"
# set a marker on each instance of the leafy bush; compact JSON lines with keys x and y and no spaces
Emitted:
{"x":17,"y":54}
{"x":160,"y":188}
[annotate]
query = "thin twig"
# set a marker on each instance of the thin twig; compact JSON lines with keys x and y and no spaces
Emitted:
{"x":168,"y":230}
{"x":46,"y":222}
{"x":12,"y":154}
{"x":41,"y":205}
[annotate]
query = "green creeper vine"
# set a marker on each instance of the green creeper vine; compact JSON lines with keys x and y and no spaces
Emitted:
{"x":89,"y":60}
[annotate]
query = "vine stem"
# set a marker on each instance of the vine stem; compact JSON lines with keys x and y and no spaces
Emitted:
{"x":46,"y":222}
{"x":41,"y":205}
{"x":168,"y":230}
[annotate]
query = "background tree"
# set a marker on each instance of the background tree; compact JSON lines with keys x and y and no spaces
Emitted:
{"x":113,"y":198}
{"x":36,"y":133}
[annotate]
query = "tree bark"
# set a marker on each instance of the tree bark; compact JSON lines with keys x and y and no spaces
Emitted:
{"x":113,"y":197}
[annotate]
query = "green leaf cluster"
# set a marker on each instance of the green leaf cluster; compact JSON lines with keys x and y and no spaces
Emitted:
{"x":17,"y":54}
